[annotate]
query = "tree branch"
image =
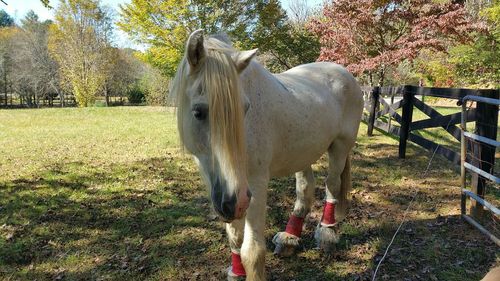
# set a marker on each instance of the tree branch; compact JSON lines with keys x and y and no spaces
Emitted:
{"x":3,"y":2}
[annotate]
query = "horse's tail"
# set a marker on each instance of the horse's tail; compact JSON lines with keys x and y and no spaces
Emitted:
{"x":345,"y":188}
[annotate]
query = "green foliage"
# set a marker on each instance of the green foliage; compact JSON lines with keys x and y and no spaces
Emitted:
{"x":165,"y":25}
{"x":477,"y":64}
{"x":5,"y":19}
{"x":125,"y":72}
{"x":435,"y":70}
{"x":155,"y":87}
{"x":8,"y":36}
{"x":79,"y":42}
{"x":136,"y":96}
{"x":471,"y":65}
{"x":160,"y":24}
{"x":286,"y":45}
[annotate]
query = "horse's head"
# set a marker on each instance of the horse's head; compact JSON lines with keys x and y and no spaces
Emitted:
{"x":211,"y":109}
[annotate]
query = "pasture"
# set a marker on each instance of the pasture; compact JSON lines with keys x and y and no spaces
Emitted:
{"x":106,"y":194}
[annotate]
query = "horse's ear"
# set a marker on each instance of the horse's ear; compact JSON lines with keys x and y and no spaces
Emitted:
{"x":195,"y":50}
{"x":242,"y":59}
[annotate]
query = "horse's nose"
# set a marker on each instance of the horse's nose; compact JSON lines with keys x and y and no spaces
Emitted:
{"x":228,"y":206}
{"x":223,"y":200}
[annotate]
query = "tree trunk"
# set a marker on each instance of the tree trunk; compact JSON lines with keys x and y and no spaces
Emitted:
{"x":5,"y":85}
{"x":106,"y":95}
{"x":381,"y":77}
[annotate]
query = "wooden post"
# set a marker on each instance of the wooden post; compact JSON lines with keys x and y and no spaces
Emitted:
{"x":484,"y":155}
{"x":405,"y":119}
{"x":374,"y":96}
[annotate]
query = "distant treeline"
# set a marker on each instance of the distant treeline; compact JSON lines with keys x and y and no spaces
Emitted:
{"x":71,"y":61}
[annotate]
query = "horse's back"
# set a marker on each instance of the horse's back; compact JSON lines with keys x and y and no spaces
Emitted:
{"x":318,"y":103}
{"x":323,"y":78}
{"x":329,"y":84}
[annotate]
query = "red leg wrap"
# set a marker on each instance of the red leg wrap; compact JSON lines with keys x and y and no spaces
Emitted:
{"x":328,"y":213}
{"x":294,"y":225}
{"x":237,"y":266}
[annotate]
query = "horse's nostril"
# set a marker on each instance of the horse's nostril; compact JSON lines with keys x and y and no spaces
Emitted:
{"x":228,"y":208}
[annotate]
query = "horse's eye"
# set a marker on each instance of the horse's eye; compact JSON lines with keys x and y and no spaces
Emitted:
{"x":200,"y":113}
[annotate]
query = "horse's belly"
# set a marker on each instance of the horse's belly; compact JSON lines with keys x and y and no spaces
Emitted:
{"x":298,"y":148}
{"x":293,"y":165}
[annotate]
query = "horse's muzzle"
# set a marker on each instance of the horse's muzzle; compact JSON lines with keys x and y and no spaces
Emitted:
{"x":229,"y":205}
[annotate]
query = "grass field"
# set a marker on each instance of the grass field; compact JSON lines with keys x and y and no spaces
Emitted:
{"x":105,"y":194}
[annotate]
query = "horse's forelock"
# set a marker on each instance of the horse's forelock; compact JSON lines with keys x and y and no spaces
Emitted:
{"x":220,"y":81}
{"x":226,"y":113}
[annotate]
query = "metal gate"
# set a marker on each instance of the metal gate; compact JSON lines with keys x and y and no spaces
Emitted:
{"x":467,"y":166}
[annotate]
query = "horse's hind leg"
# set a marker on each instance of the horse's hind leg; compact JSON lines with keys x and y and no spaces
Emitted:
{"x":338,"y":184}
{"x":288,"y":240}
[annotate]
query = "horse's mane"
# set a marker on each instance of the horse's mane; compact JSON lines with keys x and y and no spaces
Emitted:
{"x":218,"y":78}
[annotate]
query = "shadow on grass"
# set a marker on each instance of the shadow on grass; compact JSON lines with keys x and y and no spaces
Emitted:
{"x":442,"y":247}
{"x":69,"y":223}
{"x":149,"y":220}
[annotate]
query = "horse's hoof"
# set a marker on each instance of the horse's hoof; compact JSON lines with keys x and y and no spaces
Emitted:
{"x":233,"y":277}
{"x":285,"y":244}
{"x":326,"y":237}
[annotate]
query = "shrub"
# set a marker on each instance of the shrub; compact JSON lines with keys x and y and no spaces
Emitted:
{"x":136,"y":96}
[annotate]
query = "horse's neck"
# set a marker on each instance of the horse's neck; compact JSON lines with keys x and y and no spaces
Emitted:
{"x":259,"y":83}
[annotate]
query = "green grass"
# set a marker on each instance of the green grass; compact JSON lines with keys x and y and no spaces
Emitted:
{"x":105,"y":194}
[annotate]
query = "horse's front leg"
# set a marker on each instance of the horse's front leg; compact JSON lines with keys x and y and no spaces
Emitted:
{"x":234,"y":232}
{"x":253,"y":250}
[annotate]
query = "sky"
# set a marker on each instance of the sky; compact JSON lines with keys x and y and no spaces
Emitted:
{"x":18,"y":9}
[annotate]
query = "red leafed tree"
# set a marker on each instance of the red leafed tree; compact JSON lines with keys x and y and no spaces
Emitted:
{"x":368,"y":36}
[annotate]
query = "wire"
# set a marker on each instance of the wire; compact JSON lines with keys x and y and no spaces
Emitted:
{"x":406,"y":211}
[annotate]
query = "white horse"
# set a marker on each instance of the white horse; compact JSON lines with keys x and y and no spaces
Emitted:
{"x":245,"y":125}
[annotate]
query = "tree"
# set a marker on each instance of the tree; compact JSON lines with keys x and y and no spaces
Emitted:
{"x":35,"y":73}
{"x":369,"y":36}
{"x":300,"y":12}
{"x":165,"y":25}
{"x":434,"y":69}
{"x":126,"y":71}
{"x":155,"y":86}
{"x":471,"y":65}
{"x":477,"y":64}
{"x":286,"y":43}
{"x":5,"y":19}
{"x":7,"y":39}
{"x":80,"y":42}
{"x":8,"y":32}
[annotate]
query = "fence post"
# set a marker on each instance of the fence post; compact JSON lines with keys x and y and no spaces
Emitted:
{"x":405,"y":119}
{"x":484,"y":156}
{"x":374,"y":95}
